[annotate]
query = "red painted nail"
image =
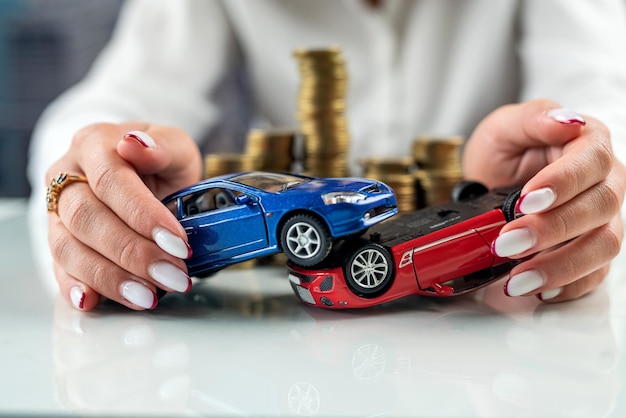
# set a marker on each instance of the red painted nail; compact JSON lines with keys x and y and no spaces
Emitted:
{"x":567,"y":117}
{"x":142,"y":138}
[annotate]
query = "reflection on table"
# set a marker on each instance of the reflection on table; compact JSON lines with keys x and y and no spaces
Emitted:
{"x":240,"y":344}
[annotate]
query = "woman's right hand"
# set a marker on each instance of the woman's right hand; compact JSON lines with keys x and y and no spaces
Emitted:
{"x":112,"y":236}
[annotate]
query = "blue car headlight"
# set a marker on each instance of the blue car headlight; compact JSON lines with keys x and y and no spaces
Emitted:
{"x":342,"y":197}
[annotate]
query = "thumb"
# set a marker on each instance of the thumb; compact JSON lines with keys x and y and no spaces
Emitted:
{"x":515,"y":141}
{"x":166,"y":153}
{"x":536,"y":123}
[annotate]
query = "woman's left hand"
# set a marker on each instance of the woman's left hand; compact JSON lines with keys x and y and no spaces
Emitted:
{"x":573,"y":191}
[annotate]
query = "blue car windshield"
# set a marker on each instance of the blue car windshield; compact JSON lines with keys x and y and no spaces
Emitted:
{"x":269,"y":182}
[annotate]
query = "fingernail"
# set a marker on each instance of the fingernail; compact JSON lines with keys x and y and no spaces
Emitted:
{"x":567,"y":116}
{"x":77,"y":296}
{"x":138,"y":294}
{"x":513,"y":242}
{"x":171,"y":243}
{"x":550,"y":293}
{"x":536,"y":201}
{"x":143,"y":138}
{"x":523,"y":283}
{"x":170,"y":276}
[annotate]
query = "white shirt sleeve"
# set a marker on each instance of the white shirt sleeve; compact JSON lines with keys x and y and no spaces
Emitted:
{"x":162,"y":65}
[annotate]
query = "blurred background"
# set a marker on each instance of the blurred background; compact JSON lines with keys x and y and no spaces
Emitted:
{"x":45,"y":47}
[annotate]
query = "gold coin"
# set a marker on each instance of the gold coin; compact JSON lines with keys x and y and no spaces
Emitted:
{"x":321,"y":111}
{"x":438,"y":152}
{"x":387,"y":166}
{"x":320,"y":51}
{"x":220,"y":164}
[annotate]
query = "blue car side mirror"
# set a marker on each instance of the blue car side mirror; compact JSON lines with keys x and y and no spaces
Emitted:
{"x":244,"y":199}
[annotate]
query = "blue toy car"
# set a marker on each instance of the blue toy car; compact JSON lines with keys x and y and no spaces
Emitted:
{"x":240,"y":216}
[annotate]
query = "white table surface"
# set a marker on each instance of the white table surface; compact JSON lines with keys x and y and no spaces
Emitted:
{"x":241,"y":344}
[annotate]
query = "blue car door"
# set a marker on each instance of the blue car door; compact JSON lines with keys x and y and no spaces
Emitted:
{"x":222,"y":229}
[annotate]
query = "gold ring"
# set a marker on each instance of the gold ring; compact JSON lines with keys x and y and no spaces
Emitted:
{"x":56,"y":185}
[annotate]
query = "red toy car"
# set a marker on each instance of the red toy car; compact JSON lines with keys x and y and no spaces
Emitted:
{"x":443,"y":250}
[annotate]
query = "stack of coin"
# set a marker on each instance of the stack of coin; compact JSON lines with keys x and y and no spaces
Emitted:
{"x":321,"y":111}
{"x":438,"y":153}
{"x":271,"y":149}
{"x":439,"y":167}
{"x":219,"y":164}
{"x":397,"y":173}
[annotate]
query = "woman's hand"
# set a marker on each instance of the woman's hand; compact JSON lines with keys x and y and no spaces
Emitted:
{"x":573,"y":190}
{"x":112,"y":235}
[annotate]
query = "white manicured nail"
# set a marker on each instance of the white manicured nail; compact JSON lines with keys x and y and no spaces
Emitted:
{"x":138,"y":294}
{"x":536,"y":201}
{"x":77,"y":296}
{"x":566,"y":116}
{"x":171,"y":243}
{"x":143,"y":138}
{"x":524,"y":283}
{"x":170,"y":276}
{"x":551,"y":293}
{"x":513,"y":242}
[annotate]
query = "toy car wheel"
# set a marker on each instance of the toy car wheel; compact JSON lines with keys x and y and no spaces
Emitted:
{"x":369,"y":271}
{"x":305,"y":240}
{"x":510,"y":204}
{"x":465,"y":190}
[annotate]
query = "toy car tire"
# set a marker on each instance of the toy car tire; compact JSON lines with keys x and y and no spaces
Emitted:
{"x":305,"y":240}
{"x":465,"y":190}
{"x":369,"y":271}
{"x":510,"y":204}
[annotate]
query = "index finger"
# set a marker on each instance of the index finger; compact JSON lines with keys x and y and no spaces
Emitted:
{"x":116,"y":183}
{"x":583,"y":162}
